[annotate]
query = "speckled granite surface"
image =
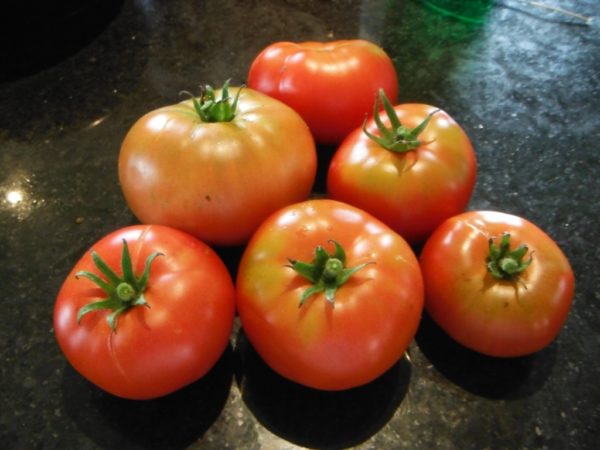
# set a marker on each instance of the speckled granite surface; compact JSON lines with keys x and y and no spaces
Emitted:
{"x":525,"y":85}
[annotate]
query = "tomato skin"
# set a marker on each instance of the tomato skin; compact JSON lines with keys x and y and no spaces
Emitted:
{"x":411,"y":192}
{"x":320,"y":345}
{"x":332,"y":85}
{"x":157,"y":350}
{"x":217,"y":181}
{"x":495,"y":317}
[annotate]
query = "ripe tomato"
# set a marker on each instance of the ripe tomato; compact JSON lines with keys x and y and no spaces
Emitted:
{"x":217,"y":177}
{"x":421,"y":175}
{"x":496,"y":283}
{"x":342,"y":320}
{"x":332,"y":85}
{"x":160,"y":329}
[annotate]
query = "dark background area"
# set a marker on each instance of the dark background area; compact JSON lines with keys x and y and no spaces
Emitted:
{"x":523,"y":81}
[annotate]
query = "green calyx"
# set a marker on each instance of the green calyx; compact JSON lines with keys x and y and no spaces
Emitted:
{"x":327,"y":272}
{"x":211,"y":109}
{"x":504,"y":263}
{"x":397,"y":138}
{"x":122,"y":292}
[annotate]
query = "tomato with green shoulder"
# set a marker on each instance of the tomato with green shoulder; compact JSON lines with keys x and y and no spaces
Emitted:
{"x":216,"y":166}
{"x":329,"y":296}
{"x":410,"y":165}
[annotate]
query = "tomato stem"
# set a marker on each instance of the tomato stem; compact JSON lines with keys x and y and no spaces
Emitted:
{"x":504,"y":263}
{"x":211,"y":110}
{"x":333,"y":268}
{"x":327,"y":272}
{"x":125,"y":291}
{"x":122,"y":292}
{"x":397,"y":138}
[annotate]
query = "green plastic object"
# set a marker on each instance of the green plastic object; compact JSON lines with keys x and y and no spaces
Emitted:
{"x":470,"y":11}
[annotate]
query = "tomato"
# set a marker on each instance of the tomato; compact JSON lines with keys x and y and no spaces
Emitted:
{"x":340,"y":320}
{"x":167,"y":316}
{"x":332,"y":85}
{"x":496,"y":283}
{"x":217,"y":177}
{"x":413,"y":175}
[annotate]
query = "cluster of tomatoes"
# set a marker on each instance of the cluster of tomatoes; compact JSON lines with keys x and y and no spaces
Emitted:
{"x":329,"y":291}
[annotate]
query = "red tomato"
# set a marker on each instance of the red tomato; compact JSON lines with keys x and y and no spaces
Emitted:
{"x":414,"y":187}
{"x":217,"y":180}
{"x":511,"y":304}
{"x":154,"y":348}
{"x":323,"y":336}
{"x":332,"y":85}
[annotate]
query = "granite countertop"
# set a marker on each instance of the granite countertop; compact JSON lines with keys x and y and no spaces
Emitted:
{"x":523,"y":81}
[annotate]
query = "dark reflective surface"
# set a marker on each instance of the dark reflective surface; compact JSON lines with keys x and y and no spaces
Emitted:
{"x":524,"y":83}
{"x":39,"y":34}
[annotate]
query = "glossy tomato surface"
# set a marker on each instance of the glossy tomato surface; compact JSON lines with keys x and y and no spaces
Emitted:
{"x":412,"y":192}
{"x":324,"y":345}
{"x":497,"y":317}
{"x":160,"y":348}
{"x":217,"y":181}
{"x":332,"y":85}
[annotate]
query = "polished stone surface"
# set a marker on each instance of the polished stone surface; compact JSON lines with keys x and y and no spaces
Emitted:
{"x":523,"y":81}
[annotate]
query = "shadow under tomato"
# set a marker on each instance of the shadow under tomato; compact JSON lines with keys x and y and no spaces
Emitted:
{"x":230,"y":255}
{"x":487,"y":376}
{"x":324,"y":156}
{"x":171,"y":422}
{"x":315,"y":418}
